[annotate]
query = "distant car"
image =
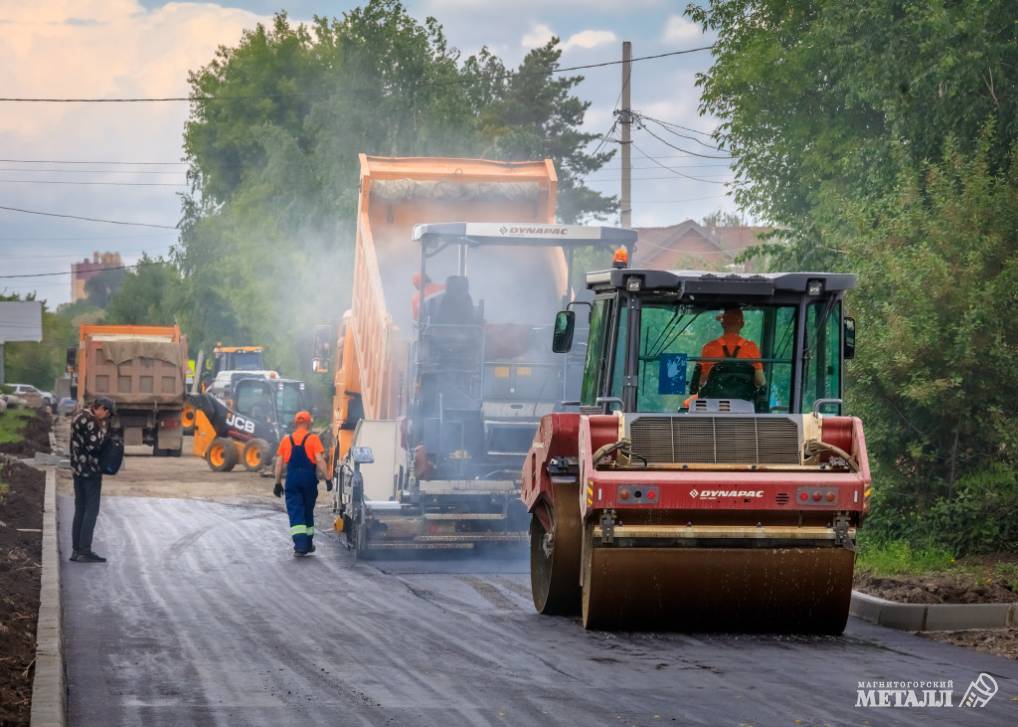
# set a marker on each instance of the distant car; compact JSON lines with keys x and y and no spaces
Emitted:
{"x":28,"y":391}
{"x":66,"y":406}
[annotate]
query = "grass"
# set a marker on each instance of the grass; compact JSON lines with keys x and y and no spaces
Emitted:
{"x":12,"y":424}
{"x":1008,"y":572}
{"x":902,"y":558}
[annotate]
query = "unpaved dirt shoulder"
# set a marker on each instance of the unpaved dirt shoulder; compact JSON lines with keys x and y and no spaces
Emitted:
{"x":948,"y":587}
{"x":20,"y":571}
{"x":1002,"y":642}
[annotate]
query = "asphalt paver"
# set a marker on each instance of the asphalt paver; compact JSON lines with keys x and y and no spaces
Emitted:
{"x":203,"y":617}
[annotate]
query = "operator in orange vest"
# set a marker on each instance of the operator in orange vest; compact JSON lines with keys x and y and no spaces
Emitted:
{"x":431,"y":292}
{"x":731,"y":345}
{"x":304,"y":456}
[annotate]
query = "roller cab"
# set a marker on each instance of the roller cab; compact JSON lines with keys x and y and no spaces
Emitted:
{"x":709,"y":480}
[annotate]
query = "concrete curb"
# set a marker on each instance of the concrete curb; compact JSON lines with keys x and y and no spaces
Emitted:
{"x":49,"y":689}
{"x":933,"y":616}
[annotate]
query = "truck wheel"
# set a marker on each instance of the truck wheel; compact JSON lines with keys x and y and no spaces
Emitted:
{"x":255,"y":453}
{"x":222,"y":454}
{"x":187,"y":418}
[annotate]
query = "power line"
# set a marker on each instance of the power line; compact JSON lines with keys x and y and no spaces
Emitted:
{"x":167,"y":99}
{"x":680,"y":174}
{"x":30,"y":170}
{"x":87,"y":219}
{"x":64,"y":272}
{"x":111,"y":184}
{"x":635,"y":179}
{"x":678,"y":201}
{"x":78,"y":161}
{"x":667,"y":127}
{"x":75,"y":238}
{"x":643,"y":127}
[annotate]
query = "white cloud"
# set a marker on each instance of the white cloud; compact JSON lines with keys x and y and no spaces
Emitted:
{"x":536,"y":36}
{"x":589,"y":39}
{"x":680,"y":30}
{"x":105,"y":49}
{"x":612,"y":7}
{"x":540,"y":34}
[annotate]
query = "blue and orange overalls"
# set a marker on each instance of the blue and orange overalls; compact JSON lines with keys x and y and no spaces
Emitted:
{"x":299,"y":451}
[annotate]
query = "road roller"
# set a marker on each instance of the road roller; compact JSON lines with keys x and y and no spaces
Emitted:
{"x":709,"y":480}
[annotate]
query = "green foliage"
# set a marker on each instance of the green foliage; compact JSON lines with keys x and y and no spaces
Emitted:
{"x":938,"y":318}
{"x":274,"y":138}
{"x":880,"y":137}
{"x":12,"y":424}
{"x":102,"y":286}
{"x":151,"y":294}
{"x":897,"y":557}
{"x":819,"y":98}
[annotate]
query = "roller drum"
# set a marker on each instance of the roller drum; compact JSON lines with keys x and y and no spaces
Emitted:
{"x":759,"y":589}
{"x":555,"y":561}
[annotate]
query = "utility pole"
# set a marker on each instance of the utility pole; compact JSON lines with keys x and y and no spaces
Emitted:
{"x":626,"y":119}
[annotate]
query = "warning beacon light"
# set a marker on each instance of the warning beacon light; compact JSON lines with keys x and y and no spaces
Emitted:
{"x":621,"y":258}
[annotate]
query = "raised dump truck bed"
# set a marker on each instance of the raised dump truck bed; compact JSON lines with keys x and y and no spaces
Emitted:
{"x":448,"y":398}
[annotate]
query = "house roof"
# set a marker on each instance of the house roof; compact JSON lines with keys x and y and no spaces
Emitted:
{"x":676,"y":246}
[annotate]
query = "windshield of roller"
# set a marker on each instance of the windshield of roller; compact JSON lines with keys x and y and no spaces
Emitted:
{"x":718,"y":352}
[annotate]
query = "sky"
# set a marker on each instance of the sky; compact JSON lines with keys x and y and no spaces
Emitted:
{"x":59,"y":158}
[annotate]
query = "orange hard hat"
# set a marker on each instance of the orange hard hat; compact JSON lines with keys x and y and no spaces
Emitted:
{"x":303,"y":417}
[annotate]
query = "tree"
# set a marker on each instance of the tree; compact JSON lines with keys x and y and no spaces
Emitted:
{"x":102,"y":286}
{"x":819,"y":99}
{"x":273,"y":139}
{"x":720,"y":218}
{"x":938,"y":317}
{"x":151,"y":294}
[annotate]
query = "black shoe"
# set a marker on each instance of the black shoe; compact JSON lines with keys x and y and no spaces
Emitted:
{"x":299,"y":553}
{"x":76,"y":557}
{"x":311,"y":548}
{"x":90,"y":557}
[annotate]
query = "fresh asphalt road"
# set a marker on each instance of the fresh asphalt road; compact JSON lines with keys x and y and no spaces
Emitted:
{"x":202,"y":617}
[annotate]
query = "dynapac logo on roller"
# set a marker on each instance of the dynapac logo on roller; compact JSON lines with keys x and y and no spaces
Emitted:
{"x":531,"y":230}
{"x":714,"y":494}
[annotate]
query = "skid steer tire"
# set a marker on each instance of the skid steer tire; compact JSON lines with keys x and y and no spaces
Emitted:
{"x":222,"y":455}
{"x":256,"y":452}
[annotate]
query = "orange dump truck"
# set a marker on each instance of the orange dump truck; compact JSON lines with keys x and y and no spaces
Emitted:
{"x":143,"y":370}
{"x":436,"y":496}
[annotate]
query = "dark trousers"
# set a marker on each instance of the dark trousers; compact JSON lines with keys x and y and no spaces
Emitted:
{"x":87,"y":490}
{"x":300,"y":508}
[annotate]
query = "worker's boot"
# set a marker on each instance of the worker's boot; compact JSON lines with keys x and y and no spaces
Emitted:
{"x":311,"y":546}
{"x":90,"y":557}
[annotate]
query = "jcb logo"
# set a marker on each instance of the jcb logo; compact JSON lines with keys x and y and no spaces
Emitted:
{"x":239,"y":422}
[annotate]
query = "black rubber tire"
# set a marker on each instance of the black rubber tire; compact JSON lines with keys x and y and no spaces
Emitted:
{"x":229,"y":454}
{"x":263,"y":447}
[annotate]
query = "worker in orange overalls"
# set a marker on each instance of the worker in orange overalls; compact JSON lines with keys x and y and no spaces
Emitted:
{"x":304,"y":456}
{"x":731,"y":345}
{"x":431,"y":292}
